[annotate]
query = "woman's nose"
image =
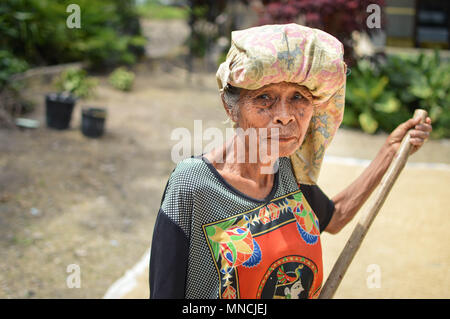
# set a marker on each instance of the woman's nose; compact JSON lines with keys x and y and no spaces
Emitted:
{"x":283,"y":115}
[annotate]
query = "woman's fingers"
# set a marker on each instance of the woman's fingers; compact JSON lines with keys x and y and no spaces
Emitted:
{"x":420,"y":135}
{"x":424,"y":127}
{"x":421,"y":132}
{"x":417,"y":133}
{"x":409,"y":124}
{"x":417,"y":141}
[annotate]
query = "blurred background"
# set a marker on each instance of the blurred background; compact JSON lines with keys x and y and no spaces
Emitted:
{"x":90,"y":92}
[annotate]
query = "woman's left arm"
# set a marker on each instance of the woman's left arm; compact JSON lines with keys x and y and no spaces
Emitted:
{"x":349,"y":201}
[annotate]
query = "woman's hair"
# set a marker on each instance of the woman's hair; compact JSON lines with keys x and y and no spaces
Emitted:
{"x":231,"y":96}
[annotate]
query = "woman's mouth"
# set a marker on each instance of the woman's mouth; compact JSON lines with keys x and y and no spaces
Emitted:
{"x":284,"y":139}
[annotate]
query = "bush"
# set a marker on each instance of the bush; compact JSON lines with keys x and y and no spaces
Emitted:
{"x":10,"y":65}
{"x":76,"y":82}
{"x":36,"y":31}
{"x":121,"y":79}
{"x":11,"y":102}
{"x":383,"y":94}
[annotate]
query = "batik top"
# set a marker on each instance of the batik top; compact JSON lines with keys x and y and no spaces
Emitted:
{"x":212,"y":241}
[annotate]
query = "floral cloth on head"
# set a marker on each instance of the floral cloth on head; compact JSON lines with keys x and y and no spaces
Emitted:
{"x":293,"y":53}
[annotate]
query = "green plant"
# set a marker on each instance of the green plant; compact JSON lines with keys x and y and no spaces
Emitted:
{"x":121,"y":79}
{"x":10,"y":65}
{"x":383,"y":94}
{"x":423,"y":82}
{"x":11,"y":101}
{"x":36,"y":31}
{"x":369,"y":101}
{"x":76,"y":82}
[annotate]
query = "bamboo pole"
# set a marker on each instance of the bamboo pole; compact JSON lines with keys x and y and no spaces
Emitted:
{"x":367,"y":217}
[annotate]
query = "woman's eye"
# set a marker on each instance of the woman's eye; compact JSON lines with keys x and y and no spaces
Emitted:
{"x":298,"y":96}
{"x":263,"y":97}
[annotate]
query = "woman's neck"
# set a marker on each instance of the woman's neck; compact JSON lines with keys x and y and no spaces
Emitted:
{"x":234,"y":158}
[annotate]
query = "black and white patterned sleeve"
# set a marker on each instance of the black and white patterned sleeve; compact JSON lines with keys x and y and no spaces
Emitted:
{"x":170,"y":243}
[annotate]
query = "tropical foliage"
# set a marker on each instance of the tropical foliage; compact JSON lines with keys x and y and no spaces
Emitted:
{"x":384,"y":93}
{"x":36,"y":31}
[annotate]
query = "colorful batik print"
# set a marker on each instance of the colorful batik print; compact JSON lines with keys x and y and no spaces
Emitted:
{"x":245,"y":247}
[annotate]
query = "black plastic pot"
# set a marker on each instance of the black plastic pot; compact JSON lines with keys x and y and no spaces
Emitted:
{"x":93,"y":121}
{"x":58,"y":110}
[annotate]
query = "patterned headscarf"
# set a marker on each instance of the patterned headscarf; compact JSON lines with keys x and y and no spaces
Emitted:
{"x":293,"y":53}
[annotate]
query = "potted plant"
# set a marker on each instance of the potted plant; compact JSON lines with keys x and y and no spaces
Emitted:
{"x":93,"y":121}
{"x":72,"y":84}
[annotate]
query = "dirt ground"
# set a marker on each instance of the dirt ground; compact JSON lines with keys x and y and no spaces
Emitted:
{"x":67,"y":199}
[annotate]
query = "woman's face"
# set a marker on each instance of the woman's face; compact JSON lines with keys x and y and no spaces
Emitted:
{"x":285,"y":106}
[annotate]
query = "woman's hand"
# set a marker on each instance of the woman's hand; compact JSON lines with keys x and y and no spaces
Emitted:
{"x":419,"y":134}
{"x":351,"y":199}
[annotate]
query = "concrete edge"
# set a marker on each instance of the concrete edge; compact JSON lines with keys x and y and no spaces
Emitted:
{"x":128,"y":282}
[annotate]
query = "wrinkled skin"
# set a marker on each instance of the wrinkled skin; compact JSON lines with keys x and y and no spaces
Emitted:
{"x":284,"y":106}
{"x":420,"y":132}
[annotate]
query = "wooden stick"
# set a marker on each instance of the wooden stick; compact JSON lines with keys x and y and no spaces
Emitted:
{"x":366,"y":219}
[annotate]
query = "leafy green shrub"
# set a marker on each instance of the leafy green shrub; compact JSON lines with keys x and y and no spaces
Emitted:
{"x":384,"y":94}
{"x":121,"y":79}
{"x":76,"y":82}
{"x":11,"y":102}
{"x":10,"y":65}
{"x":36,"y":31}
{"x":424,"y":83}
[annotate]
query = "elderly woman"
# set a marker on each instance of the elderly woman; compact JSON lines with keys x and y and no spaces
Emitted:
{"x":228,"y":228}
